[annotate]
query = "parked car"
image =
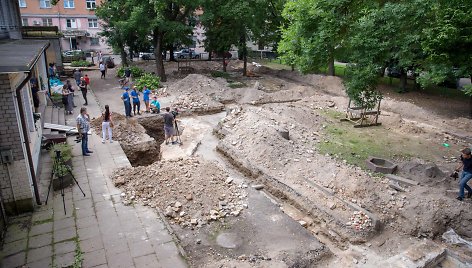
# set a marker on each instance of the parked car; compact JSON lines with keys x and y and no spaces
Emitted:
{"x":186,"y":54}
{"x":147,"y":55}
{"x":73,"y":55}
{"x":109,"y":61}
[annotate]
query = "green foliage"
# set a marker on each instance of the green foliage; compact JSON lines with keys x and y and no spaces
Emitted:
{"x":149,"y":80}
{"x":220,"y":74}
{"x":81,"y":63}
{"x":136,"y":72}
{"x":360,"y":83}
{"x":64,"y":148}
{"x":56,"y":98}
{"x":468,"y":90}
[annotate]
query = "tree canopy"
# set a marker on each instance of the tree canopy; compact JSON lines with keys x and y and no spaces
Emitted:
{"x":433,"y":38}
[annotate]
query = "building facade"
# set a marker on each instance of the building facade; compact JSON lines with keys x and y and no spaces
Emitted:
{"x":75,"y":19}
{"x":22,"y":69}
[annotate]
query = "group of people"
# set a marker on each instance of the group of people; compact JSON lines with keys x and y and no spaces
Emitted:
{"x":68,"y":90}
{"x":83,"y":127}
{"x":132,"y":99}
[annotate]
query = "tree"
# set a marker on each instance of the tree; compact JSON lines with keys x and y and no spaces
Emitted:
{"x":236,"y":22}
{"x":314,"y":31}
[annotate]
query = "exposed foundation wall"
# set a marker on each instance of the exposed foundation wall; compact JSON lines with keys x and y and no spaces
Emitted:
{"x":15,"y":186}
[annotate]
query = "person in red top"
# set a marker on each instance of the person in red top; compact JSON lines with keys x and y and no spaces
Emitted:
{"x":87,"y":80}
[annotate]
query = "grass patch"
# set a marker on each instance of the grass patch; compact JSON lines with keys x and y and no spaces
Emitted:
{"x":220,"y":74}
{"x":355,"y":146}
{"x":43,"y":221}
{"x":236,"y":84}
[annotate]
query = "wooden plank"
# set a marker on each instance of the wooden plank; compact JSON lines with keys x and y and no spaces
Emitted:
{"x":68,"y":129}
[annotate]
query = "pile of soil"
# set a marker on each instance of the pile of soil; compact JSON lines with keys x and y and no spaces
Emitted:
{"x":139,"y":147}
{"x":253,"y":134}
{"x":191,"y":192}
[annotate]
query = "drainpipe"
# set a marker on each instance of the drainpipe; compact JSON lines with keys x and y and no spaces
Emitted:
{"x":26,"y":141}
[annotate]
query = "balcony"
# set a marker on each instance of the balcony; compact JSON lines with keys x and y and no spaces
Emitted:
{"x":40,"y":31}
{"x":74,"y":33}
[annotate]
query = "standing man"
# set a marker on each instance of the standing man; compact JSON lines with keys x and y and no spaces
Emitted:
{"x":102,"y":70}
{"x":83,"y":127}
{"x":136,"y":101}
{"x":169,"y":126}
{"x":466,"y":165}
{"x":126,"y":101}
{"x":100,"y":56}
{"x":77,"y":76}
{"x":87,"y":80}
{"x":146,"y":93}
{"x":128,"y":74}
{"x":83,"y":88}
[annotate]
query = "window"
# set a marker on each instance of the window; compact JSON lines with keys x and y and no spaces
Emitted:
{"x":93,"y":23}
{"x":24,"y":22}
{"x":45,"y":3}
{"x":47,"y":22}
{"x":69,"y":4}
{"x":91,"y":4}
{"x":94,"y":41}
{"x":22,"y":3}
{"x":71,"y":23}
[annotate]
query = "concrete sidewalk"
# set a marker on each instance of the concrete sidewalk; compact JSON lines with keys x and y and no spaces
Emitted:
{"x":97,"y":230}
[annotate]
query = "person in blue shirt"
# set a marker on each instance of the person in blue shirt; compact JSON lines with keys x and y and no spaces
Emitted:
{"x":466,"y":176}
{"x":126,"y":101}
{"x":155,"y":105}
{"x":146,"y":93}
{"x":136,"y":102}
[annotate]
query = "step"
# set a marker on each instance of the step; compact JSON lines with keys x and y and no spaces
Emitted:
{"x":62,"y":117}
{"x":55,"y":116}
{"x":47,"y":116}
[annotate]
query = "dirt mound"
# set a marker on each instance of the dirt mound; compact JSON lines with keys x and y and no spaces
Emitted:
{"x":422,"y":172}
{"x":191,"y":192}
{"x":139,"y":147}
{"x":252,"y":134}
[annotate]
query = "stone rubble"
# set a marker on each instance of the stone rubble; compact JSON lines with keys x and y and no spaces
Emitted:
{"x":191,"y":192}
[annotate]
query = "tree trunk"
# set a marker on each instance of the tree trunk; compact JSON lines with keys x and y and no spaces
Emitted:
{"x":331,"y":69}
{"x":124,"y":59}
{"x":244,"y":54}
{"x":209,"y":56}
{"x":403,"y":80}
{"x":224,"y":62}
{"x":158,"y":36}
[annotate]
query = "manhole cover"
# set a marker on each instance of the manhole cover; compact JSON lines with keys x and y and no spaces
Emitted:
{"x":228,"y":240}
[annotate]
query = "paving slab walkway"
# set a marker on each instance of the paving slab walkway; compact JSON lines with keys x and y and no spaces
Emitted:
{"x":97,"y":230}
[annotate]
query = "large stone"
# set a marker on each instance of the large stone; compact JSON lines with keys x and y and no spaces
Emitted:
{"x":381,"y":165}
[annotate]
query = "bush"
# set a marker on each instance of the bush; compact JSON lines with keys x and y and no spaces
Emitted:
{"x":56,"y":98}
{"x":220,"y":74}
{"x":81,"y":63}
{"x":149,"y":80}
{"x":136,"y":72}
{"x":64,"y":148}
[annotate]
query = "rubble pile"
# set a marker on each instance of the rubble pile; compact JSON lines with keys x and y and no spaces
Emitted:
{"x":190,"y":192}
{"x":359,"y":221}
{"x":190,"y":101}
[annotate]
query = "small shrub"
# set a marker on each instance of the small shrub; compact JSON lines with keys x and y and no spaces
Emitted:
{"x":220,"y":74}
{"x":64,"y":148}
{"x":56,"y":98}
{"x":236,"y":84}
{"x":136,"y":72}
{"x":81,"y":63}
{"x":149,"y":80}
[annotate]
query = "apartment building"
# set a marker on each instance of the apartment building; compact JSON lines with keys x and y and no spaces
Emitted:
{"x":75,"y":19}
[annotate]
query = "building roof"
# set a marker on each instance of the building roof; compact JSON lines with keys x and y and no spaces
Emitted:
{"x":20,"y":55}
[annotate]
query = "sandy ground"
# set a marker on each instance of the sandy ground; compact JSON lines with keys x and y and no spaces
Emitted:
{"x":335,"y":194}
